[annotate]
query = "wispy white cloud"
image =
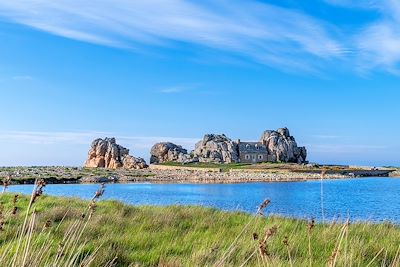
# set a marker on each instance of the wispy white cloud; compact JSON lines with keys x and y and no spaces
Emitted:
{"x":379,"y":42}
{"x":343,"y":148}
{"x":250,"y":31}
{"x":22,"y":77}
{"x":264,"y":33}
{"x":179,"y":89}
{"x":325,"y":136}
{"x":174,"y":89}
{"x":355,"y":3}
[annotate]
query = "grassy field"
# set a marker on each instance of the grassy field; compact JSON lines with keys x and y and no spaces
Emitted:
{"x":109,"y":233}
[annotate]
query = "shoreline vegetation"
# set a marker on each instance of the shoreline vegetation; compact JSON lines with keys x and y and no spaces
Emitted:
{"x":71,"y":232}
{"x":171,"y":172}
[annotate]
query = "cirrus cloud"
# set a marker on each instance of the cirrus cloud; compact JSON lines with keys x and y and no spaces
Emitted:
{"x":267,"y":34}
{"x":280,"y":37}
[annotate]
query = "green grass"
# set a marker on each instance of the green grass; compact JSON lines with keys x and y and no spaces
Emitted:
{"x":196,"y":236}
{"x":222,"y":167}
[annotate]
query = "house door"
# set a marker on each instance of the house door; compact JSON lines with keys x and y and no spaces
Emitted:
{"x":253,"y":158}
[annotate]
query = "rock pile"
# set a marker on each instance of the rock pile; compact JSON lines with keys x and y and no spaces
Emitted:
{"x":282,"y":147}
{"x":216,"y":149}
{"x":168,"y":152}
{"x":106,"y":153}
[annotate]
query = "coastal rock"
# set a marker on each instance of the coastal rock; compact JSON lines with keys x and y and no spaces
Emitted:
{"x":274,"y":146}
{"x":282,"y":147}
{"x":106,"y":153}
{"x":130,"y":162}
{"x":216,"y":149}
{"x":169,"y":152}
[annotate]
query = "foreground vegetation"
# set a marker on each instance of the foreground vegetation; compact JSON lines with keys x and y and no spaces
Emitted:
{"x":73,"y":232}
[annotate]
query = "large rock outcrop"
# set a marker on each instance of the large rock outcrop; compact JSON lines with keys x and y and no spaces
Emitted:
{"x":216,"y":149}
{"x":106,"y":153}
{"x":282,"y":147}
{"x":169,"y":152}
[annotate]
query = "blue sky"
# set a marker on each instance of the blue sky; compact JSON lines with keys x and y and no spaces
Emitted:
{"x":150,"y":71}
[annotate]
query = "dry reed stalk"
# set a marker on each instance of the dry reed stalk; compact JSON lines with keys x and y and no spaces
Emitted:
{"x":231,"y":247}
{"x":263,"y":244}
{"x":286,"y":243}
{"x":323,"y":172}
{"x":262,"y":206}
{"x":45,"y":247}
{"x":310,"y":227}
{"x":36,"y":192}
{"x":42,"y":251}
{"x":15,"y":208}
{"x":396,"y":261}
{"x":334,"y":255}
{"x":29,"y":251}
{"x":248,"y":258}
{"x":384,"y":259}
{"x":6,"y":182}
{"x":112,"y":262}
{"x":262,"y":247}
{"x":346,"y":243}
{"x":374,"y":258}
{"x":61,"y":245}
{"x":258,"y":259}
{"x":70,"y":247}
{"x":75,"y":246}
{"x":89,"y":258}
{"x":29,"y":239}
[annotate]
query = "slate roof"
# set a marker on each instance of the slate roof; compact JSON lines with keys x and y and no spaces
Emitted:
{"x":252,"y":147}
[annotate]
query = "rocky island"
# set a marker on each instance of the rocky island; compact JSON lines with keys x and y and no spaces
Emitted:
{"x":106,"y":153}
{"x":215,"y":159}
{"x":273,"y":146}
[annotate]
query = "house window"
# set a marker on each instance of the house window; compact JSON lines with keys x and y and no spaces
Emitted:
{"x":260,"y":156}
{"x":247,"y":156}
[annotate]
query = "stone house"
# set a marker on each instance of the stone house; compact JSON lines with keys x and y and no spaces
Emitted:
{"x":252,"y":152}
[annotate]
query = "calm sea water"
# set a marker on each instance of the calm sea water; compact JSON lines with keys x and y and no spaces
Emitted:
{"x":376,"y":199}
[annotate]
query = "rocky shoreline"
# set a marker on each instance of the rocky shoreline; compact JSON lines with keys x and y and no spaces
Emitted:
{"x":180,"y":174}
{"x":171,"y":174}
